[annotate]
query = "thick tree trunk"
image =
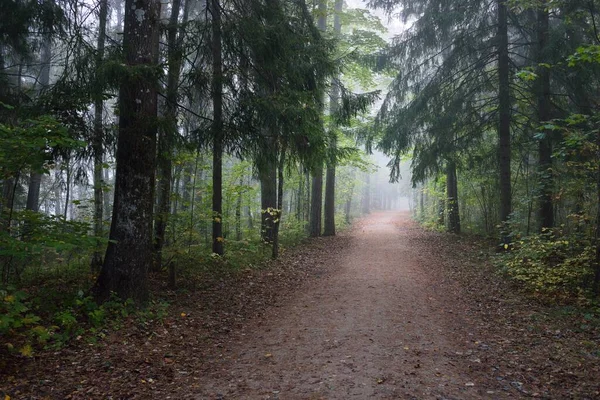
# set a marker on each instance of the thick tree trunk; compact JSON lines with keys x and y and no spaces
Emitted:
{"x":546,"y":210}
{"x":316,"y":203}
{"x":597,"y":266}
{"x":452,"y":200}
{"x":268,"y":200}
{"x":217,"y":129}
{"x":129,"y":253}
{"x":504,"y":110}
{"x":97,"y":144}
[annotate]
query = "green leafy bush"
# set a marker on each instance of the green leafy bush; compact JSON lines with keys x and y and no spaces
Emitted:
{"x":551,"y":262}
{"x":20,"y":328}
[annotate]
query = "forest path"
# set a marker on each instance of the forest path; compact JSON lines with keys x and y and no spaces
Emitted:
{"x":381,"y":325}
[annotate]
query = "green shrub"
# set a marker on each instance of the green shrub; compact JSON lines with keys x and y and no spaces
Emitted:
{"x":551,"y":262}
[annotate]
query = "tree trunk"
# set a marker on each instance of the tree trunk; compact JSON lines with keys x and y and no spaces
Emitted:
{"x":68,"y":189}
{"x":316,"y":203}
{"x":597,"y":266}
{"x":106,"y":195}
{"x":166,"y":136}
{"x":546,"y":210}
{"x":97,"y":143}
{"x":504,"y":112}
{"x":35,"y":180}
{"x":366,"y":200}
{"x":187,"y":183}
{"x":217,"y":130}
{"x":268,"y":200}
{"x":329,"y":226}
{"x":129,"y":253}
{"x":279,"y":210}
{"x":452,"y":201}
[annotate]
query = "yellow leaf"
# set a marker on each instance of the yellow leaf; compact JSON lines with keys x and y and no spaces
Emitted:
{"x":220,"y":239}
{"x":26,"y":351}
{"x":9,"y":299}
{"x":183,"y":315}
{"x":6,"y":397}
{"x":505,"y":247}
{"x":268,"y":355}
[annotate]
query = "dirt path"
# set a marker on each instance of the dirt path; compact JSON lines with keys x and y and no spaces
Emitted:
{"x":384,"y":311}
{"x":377,"y":327}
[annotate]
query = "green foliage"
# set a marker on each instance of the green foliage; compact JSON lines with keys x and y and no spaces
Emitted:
{"x":550,"y":262}
{"x":30,"y":145}
{"x":19,"y":326}
{"x":42,"y":241}
{"x":27,"y":325}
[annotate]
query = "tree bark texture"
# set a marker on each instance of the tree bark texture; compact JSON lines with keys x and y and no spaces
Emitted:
{"x":546,"y":210}
{"x":97,"y":143}
{"x":316,"y":198}
{"x":452,"y":200}
{"x":129,"y":253}
{"x":316,"y":203}
{"x":329,"y":220}
{"x":504,"y":110}
{"x":217,"y":129}
{"x":268,"y":200}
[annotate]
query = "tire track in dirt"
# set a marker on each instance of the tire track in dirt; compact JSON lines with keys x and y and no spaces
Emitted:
{"x":378,"y":326}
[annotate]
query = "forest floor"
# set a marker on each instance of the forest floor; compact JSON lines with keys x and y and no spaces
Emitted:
{"x":385,"y":310}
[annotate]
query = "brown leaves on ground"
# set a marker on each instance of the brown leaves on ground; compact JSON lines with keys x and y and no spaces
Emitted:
{"x":537,"y":348}
{"x":157,"y":360}
{"x":523,"y":345}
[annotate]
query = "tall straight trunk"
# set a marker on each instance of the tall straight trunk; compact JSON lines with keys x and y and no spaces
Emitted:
{"x":504,"y":111}
{"x":316,"y":198}
{"x":238,"y":212}
{"x":299,"y":197}
{"x":279,"y":211}
{"x":129,"y":253}
{"x":57,"y":194}
{"x":97,"y":143}
{"x":442,"y":212}
{"x":106,"y":195}
{"x":316,"y":203}
{"x":68,"y":189}
{"x":366,"y":199}
{"x":35,"y":180}
{"x":187,"y":183}
{"x":421,"y":203}
{"x":268,"y":200}
{"x":166,"y":136}
{"x":546,"y":210}
{"x":348,"y":206}
{"x":217,"y":129}
{"x":329,"y":220}
{"x":596,"y":285}
{"x":452,"y":200}
{"x":307,"y":199}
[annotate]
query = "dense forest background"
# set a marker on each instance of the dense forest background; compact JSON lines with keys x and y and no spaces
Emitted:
{"x":161,"y":139}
